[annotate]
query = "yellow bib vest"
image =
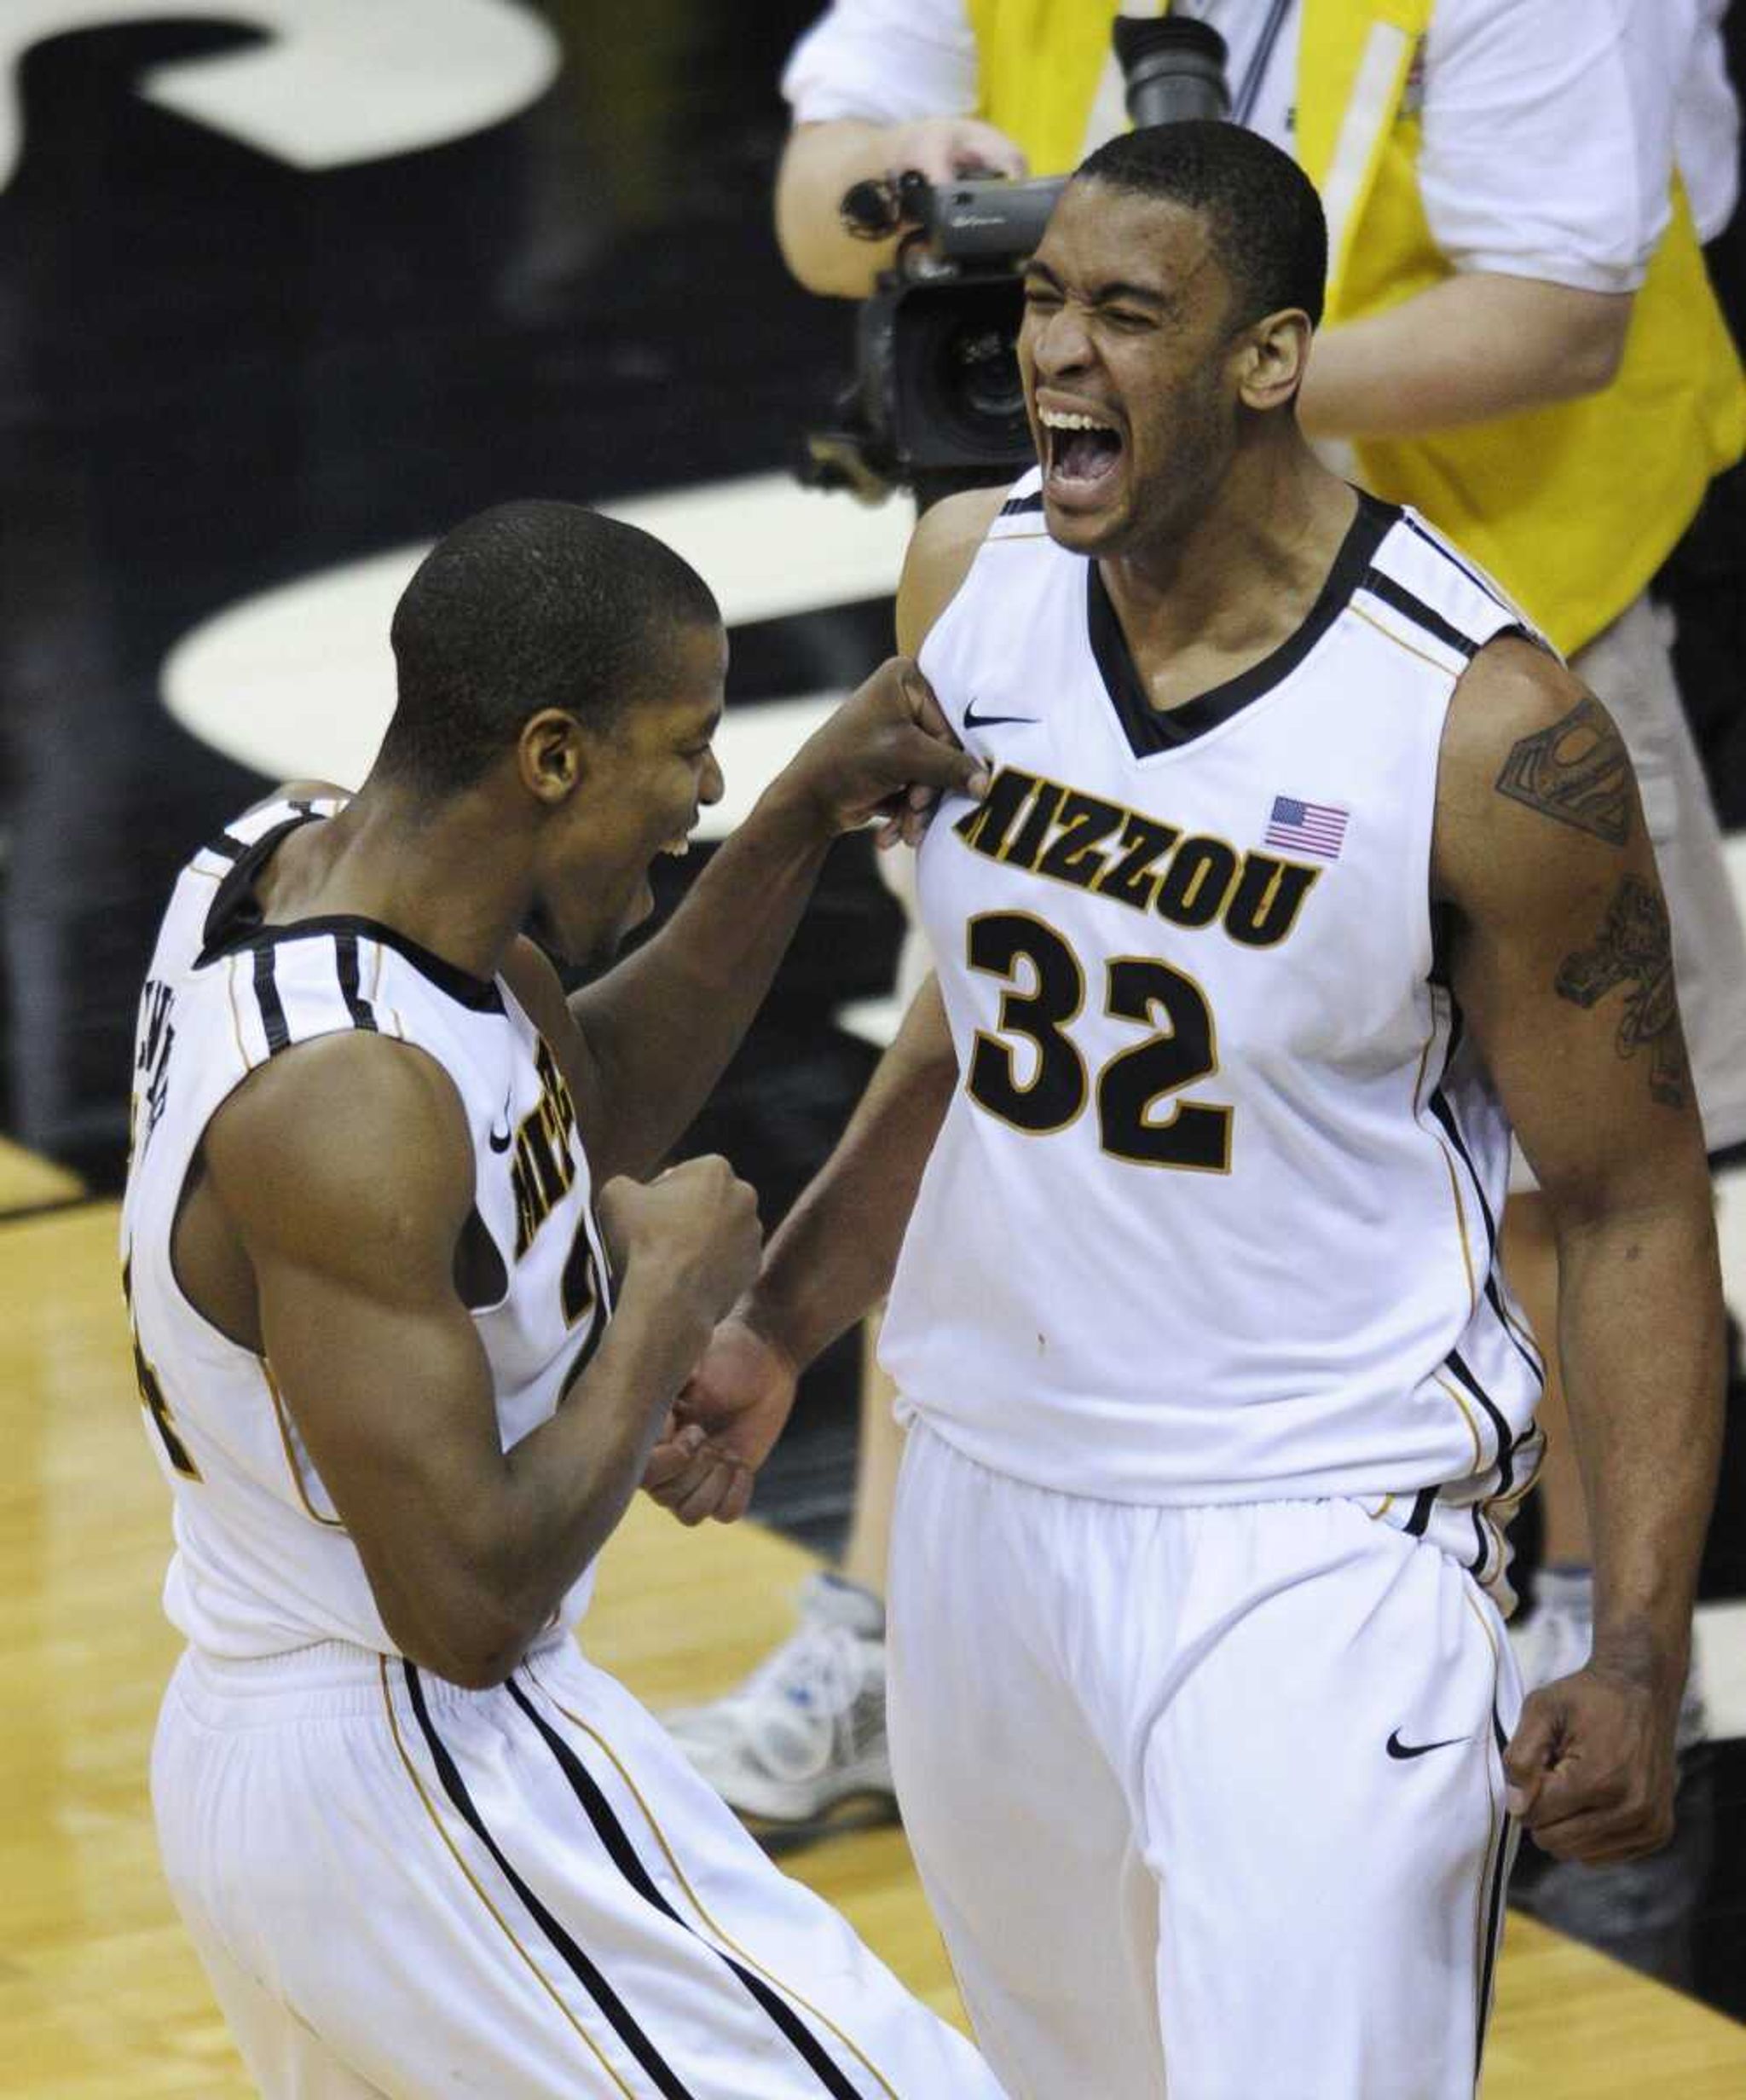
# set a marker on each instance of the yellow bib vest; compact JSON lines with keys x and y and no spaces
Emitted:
{"x":1572,"y":507}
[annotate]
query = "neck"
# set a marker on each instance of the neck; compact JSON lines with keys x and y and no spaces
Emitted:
{"x":1243,"y":569}
{"x":449,"y":875}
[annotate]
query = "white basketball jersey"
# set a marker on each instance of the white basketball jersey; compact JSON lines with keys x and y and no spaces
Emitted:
{"x":1213,"y":1215}
{"x":262,"y":1561}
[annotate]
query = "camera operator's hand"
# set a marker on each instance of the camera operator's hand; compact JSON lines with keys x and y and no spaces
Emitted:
{"x":887,"y":753}
{"x":947,"y":148}
{"x":822,"y":162}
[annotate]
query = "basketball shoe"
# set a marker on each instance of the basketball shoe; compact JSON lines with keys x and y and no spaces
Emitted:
{"x":805,"y":1733}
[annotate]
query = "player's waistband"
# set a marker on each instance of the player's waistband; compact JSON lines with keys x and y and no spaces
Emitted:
{"x":333,"y":1678}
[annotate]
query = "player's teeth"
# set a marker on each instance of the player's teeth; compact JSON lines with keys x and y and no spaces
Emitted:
{"x":1060,"y":420}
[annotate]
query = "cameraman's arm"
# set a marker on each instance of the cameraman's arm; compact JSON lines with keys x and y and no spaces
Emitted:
{"x":1547,"y":157}
{"x":876,"y":87}
{"x":1476,"y":347}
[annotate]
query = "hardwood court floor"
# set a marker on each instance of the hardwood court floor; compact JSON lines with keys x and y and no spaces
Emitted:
{"x":100,"y":1997}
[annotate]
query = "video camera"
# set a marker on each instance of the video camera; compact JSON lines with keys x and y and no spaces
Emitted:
{"x":936,"y":397}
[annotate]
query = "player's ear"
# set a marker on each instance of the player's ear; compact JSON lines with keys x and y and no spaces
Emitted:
{"x":551,"y":755}
{"x":1271,"y":358}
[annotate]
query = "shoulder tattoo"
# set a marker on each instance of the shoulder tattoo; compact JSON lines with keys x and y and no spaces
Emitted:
{"x":1577,"y":771}
{"x":1634,"y":949}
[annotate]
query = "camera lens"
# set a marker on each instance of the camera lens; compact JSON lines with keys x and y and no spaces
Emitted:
{"x":964,"y":373}
{"x":983,"y":372}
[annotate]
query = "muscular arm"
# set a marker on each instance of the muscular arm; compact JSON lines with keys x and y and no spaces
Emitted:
{"x":832,"y":1260}
{"x":1478,"y":346}
{"x":345,"y":1169}
{"x":1563,"y":967}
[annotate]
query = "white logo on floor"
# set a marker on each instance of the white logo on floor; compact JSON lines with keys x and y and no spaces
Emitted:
{"x":337,"y":83}
{"x":298,"y":682}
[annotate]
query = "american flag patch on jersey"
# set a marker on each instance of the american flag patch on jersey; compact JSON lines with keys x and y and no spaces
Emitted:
{"x":1306,"y":827}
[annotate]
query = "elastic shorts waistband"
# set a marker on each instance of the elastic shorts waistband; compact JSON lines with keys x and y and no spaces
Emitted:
{"x":326,"y":1677}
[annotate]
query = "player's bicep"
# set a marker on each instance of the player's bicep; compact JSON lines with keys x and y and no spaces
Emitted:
{"x":1562,"y":963}
{"x":348,"y":1174}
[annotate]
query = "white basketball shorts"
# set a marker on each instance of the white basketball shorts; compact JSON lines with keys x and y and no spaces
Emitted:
{"x":402,"y":1888}
{"x":1207,"y":1802}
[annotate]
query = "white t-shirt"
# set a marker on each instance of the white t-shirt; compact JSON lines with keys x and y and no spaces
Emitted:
{"x":1549,"y":129}
{"x":1707,"y":123}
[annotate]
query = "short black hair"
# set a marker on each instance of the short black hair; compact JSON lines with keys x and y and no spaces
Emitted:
{"x":529,"y":605}
{"x":1268,"y":231}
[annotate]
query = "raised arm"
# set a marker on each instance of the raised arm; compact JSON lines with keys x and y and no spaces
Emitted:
{"x":833,"y":1258}
{"x":1562,"y":967}
{"x":345,"y":1169}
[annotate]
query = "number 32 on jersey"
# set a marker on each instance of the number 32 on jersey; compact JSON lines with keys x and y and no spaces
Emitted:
{"x":1043,"y":993}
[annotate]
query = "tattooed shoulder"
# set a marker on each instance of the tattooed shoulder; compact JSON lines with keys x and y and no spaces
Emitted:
{"x":1576,"y":771}
{"x":1634,"y":949}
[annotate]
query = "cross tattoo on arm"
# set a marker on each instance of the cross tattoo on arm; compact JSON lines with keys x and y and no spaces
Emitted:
{"x":1634,"y":948}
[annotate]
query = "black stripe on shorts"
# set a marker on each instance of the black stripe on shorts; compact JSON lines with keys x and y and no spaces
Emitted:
{"x":624,"y":2024}
{"x":1493,"y":1919}
{"x":622,"y":1853}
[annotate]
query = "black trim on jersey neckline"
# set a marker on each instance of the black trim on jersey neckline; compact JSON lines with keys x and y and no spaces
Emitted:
{"x":234,"y":924}
{"x":1151,"y":730}
{"x":666,"y":2079}
{"x":623,"y":1854}
{"x":1019,"y":507}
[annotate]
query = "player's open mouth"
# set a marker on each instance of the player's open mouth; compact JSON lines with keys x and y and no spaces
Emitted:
{"x":1082,"y":453}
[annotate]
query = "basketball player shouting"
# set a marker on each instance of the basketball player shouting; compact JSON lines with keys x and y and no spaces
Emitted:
{"x":405,"y":1333}
{"x":1305,"y":872}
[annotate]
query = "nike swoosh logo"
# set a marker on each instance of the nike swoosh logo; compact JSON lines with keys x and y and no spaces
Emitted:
{"x":497,"y":1144}
{"x":973,"y":720}
{"x":1398,"y":1749}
